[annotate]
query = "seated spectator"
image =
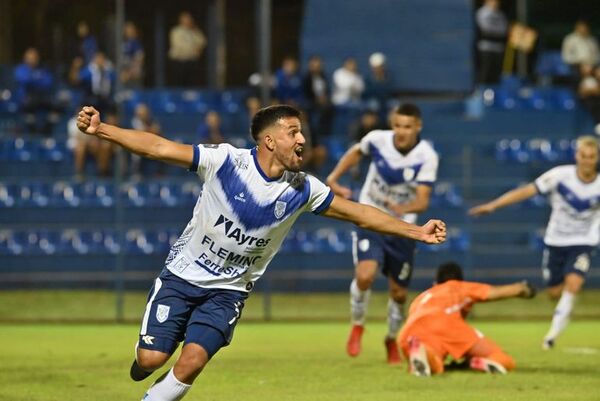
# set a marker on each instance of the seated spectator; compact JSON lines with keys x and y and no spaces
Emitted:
{"x":144,"y":121}
{"x":98,"y":81}
{"x":317,"y":94}
{"x":209,"y":130}
{"x":492,"y":27}
{"x":84,"y":146}
{"x":34,"y":93}
{"x":132,"y":73}
{"x":369,"y":121}
{"x":348,"y":84}
{"x":580,"y":47}
{"x":288,"y":83}
{"x":379,"y":85}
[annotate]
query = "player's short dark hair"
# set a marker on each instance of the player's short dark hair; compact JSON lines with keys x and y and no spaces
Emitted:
{"x":408,"y":109}
{"x":448,"y":271}
{"x":268,"y":116}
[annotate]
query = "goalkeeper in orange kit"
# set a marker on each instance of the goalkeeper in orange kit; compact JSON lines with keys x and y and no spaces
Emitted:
{"x":436,"y":324}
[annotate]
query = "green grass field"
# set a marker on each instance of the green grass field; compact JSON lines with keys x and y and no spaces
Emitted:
{"x":292,"y":361}
{"x":298,"y":357}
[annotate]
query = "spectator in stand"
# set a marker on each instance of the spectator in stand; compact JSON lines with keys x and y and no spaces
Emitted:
{"x":589,"y":91}
{"x":98,"y":81}
{"x":144,"y":121}
{"x":317,"y":94}
{"x":187,"y":44}
{"x":83,"y":146}
{"x":379,"y":85}
{"x":34,"y":93}
{"x":88,"y":46}
{"x":288,"y":82}
{"x":580,"y":47}
{"x":348,"y":84}
{"x":369,"y":121}
{"x":132,"y":73}
{"x":492,"y":27}
{"x":209,"y":130}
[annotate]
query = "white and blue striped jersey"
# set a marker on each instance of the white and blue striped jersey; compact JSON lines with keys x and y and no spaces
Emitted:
{"x":394,"y":176}
{"x":241,"y":218}
{"x":575,"y":217}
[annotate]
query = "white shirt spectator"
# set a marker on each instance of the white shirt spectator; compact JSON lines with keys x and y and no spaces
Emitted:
{"x":580,"y":49}
{"x":348,"y":85}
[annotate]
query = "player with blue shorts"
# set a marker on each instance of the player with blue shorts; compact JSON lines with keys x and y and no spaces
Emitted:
{"x":401,"y":174}
{"x":573,"y":231}
{"x":249,"y":202}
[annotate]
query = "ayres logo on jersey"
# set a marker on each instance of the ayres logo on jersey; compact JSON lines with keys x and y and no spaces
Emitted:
{"x":231,"y":231}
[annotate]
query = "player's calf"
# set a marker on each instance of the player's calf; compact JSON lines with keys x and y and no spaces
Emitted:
{"x":486,"y":365}
{"x":417,"y":358}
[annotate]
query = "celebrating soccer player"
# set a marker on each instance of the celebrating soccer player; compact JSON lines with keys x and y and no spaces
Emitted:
{"x":249,"y":202}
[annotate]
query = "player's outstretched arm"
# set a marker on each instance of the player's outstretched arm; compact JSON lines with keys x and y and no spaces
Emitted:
{"x":371,"y":218}
{"x":350,"y":159}
{"x":513,"y":196}
{"x":521,"y":289}
{"x":418,"y":205}
{"x":142,"y":143}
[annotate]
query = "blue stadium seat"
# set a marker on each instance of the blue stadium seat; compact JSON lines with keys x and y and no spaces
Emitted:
{"x":20,"y":149}
{"x":34,"y":194}
{"x":8,"y":104}
{"x":73,"y":242}
{"x":10,"y":244}
{"x":190,"y":191}
{"x":563,"y":99}
{"x":446,"y":194}
{"x":533,"y":99}
{"x":459,"y":240}
{"x":137,"y":242}
{"x":52,"y":150}
{"x":135,"y":194}
{"x":550,"y":63}
{"x":536,"y":239}
{"x":565,"y":150}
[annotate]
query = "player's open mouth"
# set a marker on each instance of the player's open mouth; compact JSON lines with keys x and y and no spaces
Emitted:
{"x":299,"y":151}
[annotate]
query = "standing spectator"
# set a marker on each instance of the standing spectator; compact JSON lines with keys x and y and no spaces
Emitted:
{"x":317,"y":92}
{"x":288,"y":82}
{"x":348,"y":84}
{"x":580,"y":46}
{"x":144,"y":121}
{"x":132,"y":74}
{"x":379,"y":85}
{"x":492,"y":27}
{"x":187,"y":43}
{"x":34,"y":93}
{"x":368,"y":121}
{"x":588,"y":90}
{"x":98,"y":81}
{"x":88,"y":46}
{"x":209,"y":130}
{"x":84,"y":145}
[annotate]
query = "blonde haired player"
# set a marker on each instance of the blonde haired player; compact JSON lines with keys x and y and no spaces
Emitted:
{"x":573,"y":230}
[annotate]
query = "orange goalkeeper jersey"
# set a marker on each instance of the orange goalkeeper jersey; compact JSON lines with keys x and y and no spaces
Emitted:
{"x":436,"y":317}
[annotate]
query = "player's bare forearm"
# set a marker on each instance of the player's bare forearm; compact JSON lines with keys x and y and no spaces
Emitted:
{"x":350,"y":159}
{"x":147,"y":144}
{"x":521,"y":289}
{"x":511,"y":197}
{"x":417,"y":205}
{"x":373,"y":219}
{"x":143,"y":143}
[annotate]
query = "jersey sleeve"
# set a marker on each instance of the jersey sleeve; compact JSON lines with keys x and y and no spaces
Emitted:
{"x":428,"y":173}
{"x":320,"y":195}
{"x":548,"y":181}
{"x":476,"y":291}
{"x":366,"y":141}
{"x":208,"y":158}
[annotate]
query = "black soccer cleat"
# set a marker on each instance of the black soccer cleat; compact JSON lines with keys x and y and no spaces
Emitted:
{"x":137,"y":373}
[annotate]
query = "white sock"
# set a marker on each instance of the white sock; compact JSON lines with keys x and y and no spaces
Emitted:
{"x":562,"y":312}
{"x":359,"y":301}
{"x":394,"y":318}
{"x":168,"y":389}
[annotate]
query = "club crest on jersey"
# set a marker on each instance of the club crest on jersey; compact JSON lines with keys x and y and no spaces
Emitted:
{"x":280,"y":208}
{"x":162,"y":313}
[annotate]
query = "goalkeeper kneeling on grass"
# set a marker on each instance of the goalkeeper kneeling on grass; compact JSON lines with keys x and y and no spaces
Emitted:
{"x":436,"y":324}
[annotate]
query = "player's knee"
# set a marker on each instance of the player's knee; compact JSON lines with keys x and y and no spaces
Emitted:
{"x":554,"y":293}
{"x":364,"y":281}
{"x":398,"y":295}
{"x":151,"y":360}
{"x":189,"y":365}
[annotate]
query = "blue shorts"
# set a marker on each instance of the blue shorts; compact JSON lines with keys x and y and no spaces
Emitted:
{"x":558,"y":261}
{"x":177,"y":311}
{"x":394,"y":255}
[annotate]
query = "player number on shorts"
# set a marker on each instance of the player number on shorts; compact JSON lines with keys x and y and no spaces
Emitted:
{"x":582,"y":263}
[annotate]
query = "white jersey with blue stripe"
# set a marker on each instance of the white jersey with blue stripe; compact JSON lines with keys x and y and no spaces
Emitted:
{"x":241,"y":218}
{"x":575,"y":217}
{"x":394,"y":176}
